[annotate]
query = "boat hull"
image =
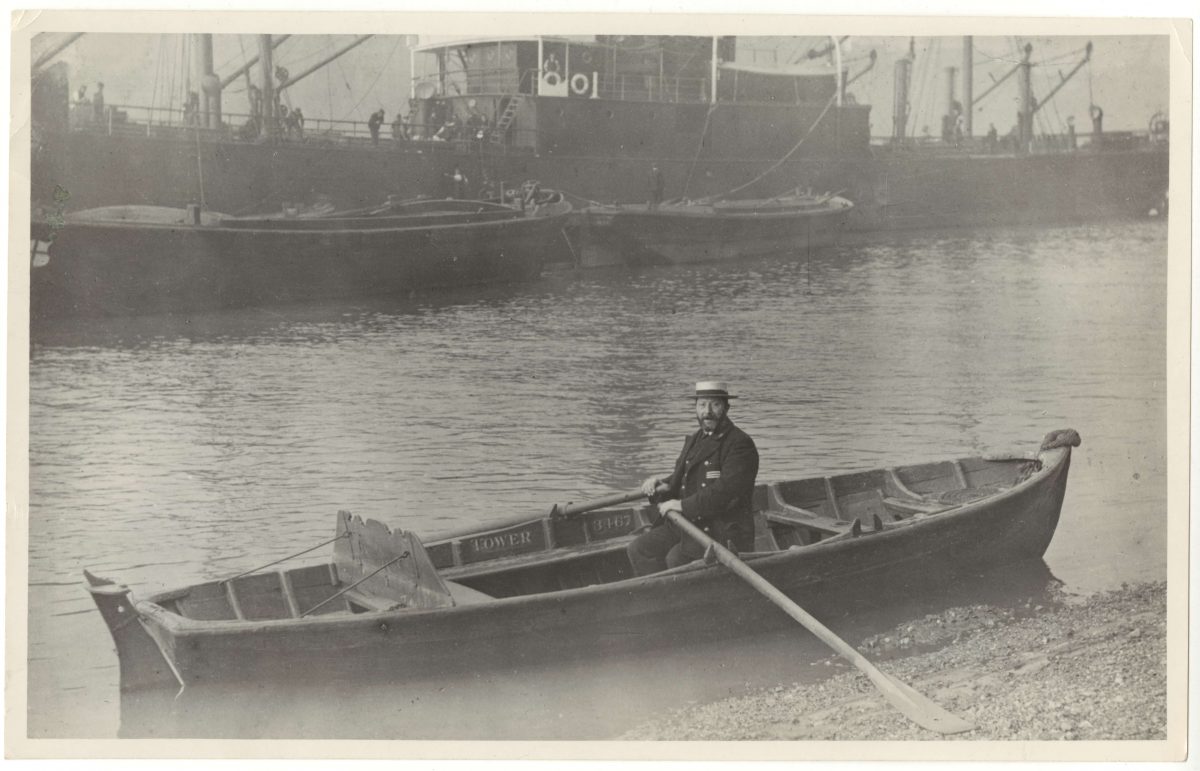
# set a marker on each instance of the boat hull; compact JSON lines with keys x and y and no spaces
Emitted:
{"x":681,"y":235}
{"x":627,"y":617}
{"x":106,"y":268}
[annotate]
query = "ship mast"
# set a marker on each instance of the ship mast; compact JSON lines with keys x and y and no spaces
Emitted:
{"x":250,"y":64}
{"x":968,"y":82}
{"x":901,"y":106}
{"x":837,"y":53}
{"x":55,"y":51}
{"x":267,"y":70}
{"x":210,"y":85}
{"x":297,"y":78}
{"x":1025,"y":122}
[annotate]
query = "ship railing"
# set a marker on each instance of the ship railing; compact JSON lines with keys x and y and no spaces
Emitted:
{"x":620,"y":87}
{"x":653,"y":88}
{"x":1042,"y":144}
{"x":475,"y":81}
{"x":137,"y":121}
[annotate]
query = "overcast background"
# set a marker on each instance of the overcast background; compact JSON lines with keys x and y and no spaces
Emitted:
{"x":1127,"y":75}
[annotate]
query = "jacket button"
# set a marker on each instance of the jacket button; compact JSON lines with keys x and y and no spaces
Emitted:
{"x":705,"y":463}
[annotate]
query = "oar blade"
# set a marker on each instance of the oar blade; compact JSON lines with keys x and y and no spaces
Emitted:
{"x":917,"y":707}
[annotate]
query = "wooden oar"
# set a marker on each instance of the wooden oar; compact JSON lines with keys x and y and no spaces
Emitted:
{"x":918,"y":708}
{"x":598,"y":503}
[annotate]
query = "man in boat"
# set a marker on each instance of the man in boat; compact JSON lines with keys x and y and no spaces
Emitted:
{"x":712,"y":485}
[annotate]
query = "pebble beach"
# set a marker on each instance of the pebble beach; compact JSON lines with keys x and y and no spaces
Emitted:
{"x":1058,"y":668}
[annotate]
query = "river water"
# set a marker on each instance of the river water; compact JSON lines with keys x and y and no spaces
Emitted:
{"x":164,"y":451}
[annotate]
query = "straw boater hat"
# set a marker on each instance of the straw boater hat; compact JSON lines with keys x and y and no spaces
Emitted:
{"x":718,"y":388}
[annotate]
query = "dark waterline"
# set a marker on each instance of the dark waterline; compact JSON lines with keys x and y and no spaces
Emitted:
{"x":169,"y":450}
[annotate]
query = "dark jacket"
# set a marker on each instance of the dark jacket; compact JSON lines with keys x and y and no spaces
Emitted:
{"x":714,"y":478}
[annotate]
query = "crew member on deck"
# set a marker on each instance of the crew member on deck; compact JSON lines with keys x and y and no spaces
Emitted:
{"x":373,"y":124}
{"x":254,"y":97}
{"x":712,"y":485}
{"x":98,"y":103}
{"x":458,"y":183}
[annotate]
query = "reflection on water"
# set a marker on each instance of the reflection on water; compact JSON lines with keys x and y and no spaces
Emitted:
{"x":164,"y":451}
{"x":579,"y":700}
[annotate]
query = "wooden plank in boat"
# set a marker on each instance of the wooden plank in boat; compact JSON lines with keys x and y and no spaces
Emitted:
{"x":260,"y":596}
{"x":313,"y":585}
{"x":206,"y":602}
{"x":927,"y":478}
{"x":441,"y":554}
{"x":982,"y":472}
{"x":510,"y":541}
{"x":859,"y":482}
{"x":792,"y":515}
{"x":863,"y":506}
{"x":391,"y":565}
{"x":521,"y":561}
{"x":807,"y":494}
{"x":913,"y":506}
{"x":602,"y":525}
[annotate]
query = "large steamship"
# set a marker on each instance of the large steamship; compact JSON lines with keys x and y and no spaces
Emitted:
{"x":588,"y":115}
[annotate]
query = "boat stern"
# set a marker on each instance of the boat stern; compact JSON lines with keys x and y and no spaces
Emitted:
{"x":143,"y":663}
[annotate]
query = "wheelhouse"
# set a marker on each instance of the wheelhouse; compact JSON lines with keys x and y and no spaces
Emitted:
{"x":534,"y":92}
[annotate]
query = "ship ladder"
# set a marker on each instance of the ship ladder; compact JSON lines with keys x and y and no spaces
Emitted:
{"x":506,"y":119}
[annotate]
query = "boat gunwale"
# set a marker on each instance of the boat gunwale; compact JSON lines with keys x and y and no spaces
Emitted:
{"x":541,"y":216}
{"x":705,"y":211}
{"x":178,"y":625}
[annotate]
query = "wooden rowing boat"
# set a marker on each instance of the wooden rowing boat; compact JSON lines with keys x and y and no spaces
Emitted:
{"x":689,"y":231}
{"x":144,"y":260}
{"x":387,"y":607}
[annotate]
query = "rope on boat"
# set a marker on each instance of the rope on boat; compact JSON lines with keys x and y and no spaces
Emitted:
{"x":699,"y":147}
{"x":290,"y":556}
{"x":779,"y":162}
{"x":372,"y":574}
{"x":200,"y":169}
{"x":577,"y":196}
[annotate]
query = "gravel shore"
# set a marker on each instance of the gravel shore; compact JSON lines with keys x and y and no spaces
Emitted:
{"x":1065,"y":669}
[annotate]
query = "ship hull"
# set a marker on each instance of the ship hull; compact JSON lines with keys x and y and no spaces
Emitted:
{"x":890,"y":190}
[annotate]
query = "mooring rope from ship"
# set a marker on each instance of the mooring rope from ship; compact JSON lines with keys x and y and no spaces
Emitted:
{"x":200,"y":169}
{"x":778,"y":163}
{"x":699,"y":147}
